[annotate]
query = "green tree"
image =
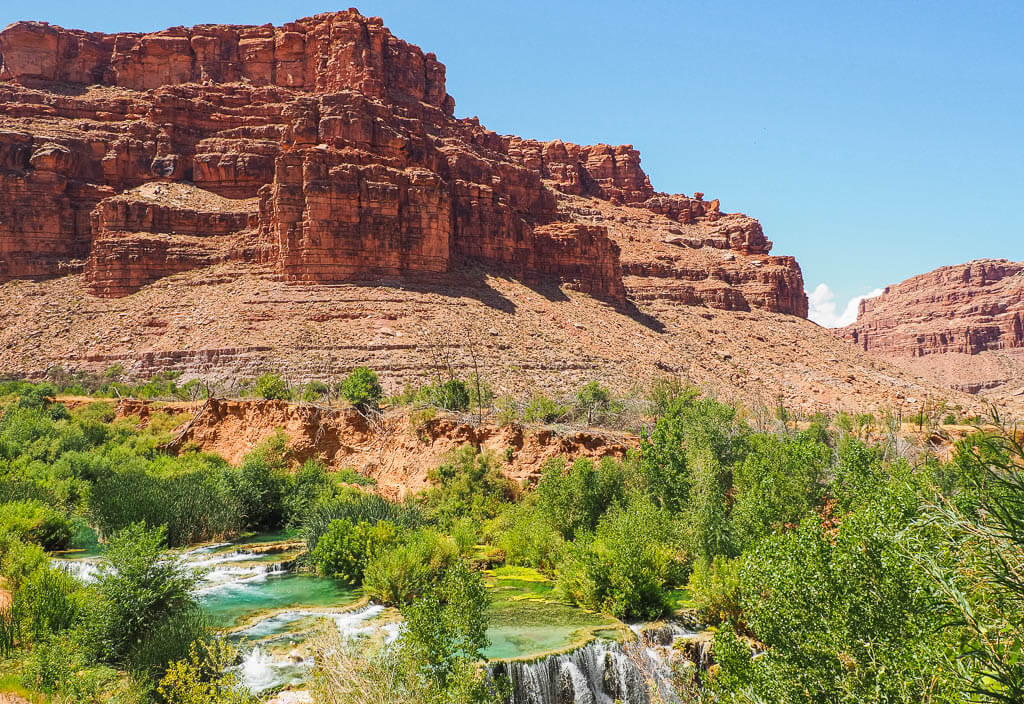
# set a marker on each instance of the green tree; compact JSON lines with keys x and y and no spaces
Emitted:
{"x":575,"y":500}
{"x":272,"y":387}
{"x":842,"y":618}
{"x":204,"y":677}
{"x":445,"y":632}
{"x":592,"y":398}
{"x":980,"y":574}
{"x":346,"y":549}
{"x":144,"y":597}
{"x":470,"y":484}
{"x":780,"y":481}
{"x":626,"y":566}
{"x":361,"y":388}
{"x":407,"y":570}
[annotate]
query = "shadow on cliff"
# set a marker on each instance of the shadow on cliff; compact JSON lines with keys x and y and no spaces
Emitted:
{"x":648,"y":321}
{"x":459,"y":283}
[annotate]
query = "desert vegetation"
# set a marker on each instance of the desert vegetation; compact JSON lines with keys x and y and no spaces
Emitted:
{"x":830,"y":562}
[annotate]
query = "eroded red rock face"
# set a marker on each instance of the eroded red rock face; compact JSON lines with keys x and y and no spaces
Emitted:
{"x":327,"y":149}
{"x":967,"y":309}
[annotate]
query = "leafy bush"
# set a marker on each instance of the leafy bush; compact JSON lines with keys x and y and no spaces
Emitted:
{"x":355,"y":506}
{"x":19,"y":559}
{"x":346,"y":548}
{"x":403,"y":573}
{"x":542,"y":409}
{"x":307,"y":486}
{"x":33,"y":521}
{"x":272,"y":387}
{"x":452,"y":395}
{"x":47,"y":602}
{"x":193,"y":496}
{"x":715,"y":587}
{"x":145,"y":606}
{"x":847,"y":618}
{"x":260,"y":484}
{"x":470,"y":485}
{"x":315,"y":390}
{"x":204,"y":677}
{"x":626,"y":566}
{"x":575,"y":500}
{"x":778,"y":483}
{"x":528,"y":539}
{"x":361,"y":387}
{"x":594,"y":402}
{"x":445,"y":631}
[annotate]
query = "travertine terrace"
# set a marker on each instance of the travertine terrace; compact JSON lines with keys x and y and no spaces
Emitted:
{"x":224,"y":200}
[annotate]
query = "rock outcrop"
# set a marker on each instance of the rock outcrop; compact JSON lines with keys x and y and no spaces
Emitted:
{"x":326,"y":150}
{"x":960,"y":325}
{"x":968,"y":309}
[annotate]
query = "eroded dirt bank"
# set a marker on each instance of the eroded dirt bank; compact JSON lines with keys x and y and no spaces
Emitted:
{"x":394,"y":448}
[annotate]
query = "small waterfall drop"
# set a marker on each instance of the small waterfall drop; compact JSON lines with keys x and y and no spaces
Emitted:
{"x":605,"y":672}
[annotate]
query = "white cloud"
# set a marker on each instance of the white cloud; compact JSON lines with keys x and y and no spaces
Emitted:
{"x":824,"y":309}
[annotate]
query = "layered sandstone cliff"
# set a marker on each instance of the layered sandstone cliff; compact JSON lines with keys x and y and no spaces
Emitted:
{"x":327,"y":150}
{"x":962,"y":325}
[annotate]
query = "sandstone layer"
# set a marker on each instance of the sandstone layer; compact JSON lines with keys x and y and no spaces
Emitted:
{"x":327,"y":149}
{"x":961,"y":325}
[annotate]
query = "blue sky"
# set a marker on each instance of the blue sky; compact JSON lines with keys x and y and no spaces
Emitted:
{"x":873,"y":140}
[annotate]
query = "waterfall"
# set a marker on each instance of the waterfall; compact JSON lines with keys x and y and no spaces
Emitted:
{"x":599,"y":672}
{"x":602,"y":672}
{"x":259,"y":671}
{"x":85,"y":570}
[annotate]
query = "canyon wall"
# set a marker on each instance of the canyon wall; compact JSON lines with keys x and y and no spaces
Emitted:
{"x":967,"y":309}
{"x":327,"y":150}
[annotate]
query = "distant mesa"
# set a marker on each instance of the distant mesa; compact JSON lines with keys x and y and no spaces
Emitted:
{"x":326,"y":149}
{"x":961,"y":325}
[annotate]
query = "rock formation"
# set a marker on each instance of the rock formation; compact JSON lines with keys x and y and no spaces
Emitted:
{"x":327,"y":150}
{"x":962,"y":325}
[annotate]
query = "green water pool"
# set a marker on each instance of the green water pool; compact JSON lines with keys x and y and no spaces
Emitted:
{"x":233,"y":603}
{"x":527,"y":619}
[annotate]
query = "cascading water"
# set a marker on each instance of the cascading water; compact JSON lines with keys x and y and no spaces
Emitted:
{"x":600,"y":672}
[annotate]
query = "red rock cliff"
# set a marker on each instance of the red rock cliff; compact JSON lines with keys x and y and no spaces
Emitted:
{"x":327,"y":149}
{"x":969,"y":308}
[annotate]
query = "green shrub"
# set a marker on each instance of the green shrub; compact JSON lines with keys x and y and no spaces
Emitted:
{"x":19,"y":559}
{"x":204,"y":677}
{"x":361,"y":387}
{"x":574,"y":500}
{"x":258,"y":490}
{"x":593,"y":400}
{"x":47,"y":602}
{"x":626,"y":567}
{"x":355,"y":506}
{"x":778,"y":483}
{"x":33,"y":521}
{"x":145,"y":606}
{"x":403,"y":573}
{"x":309,"y":485}
{"x":315,"y":390}
{"x":470,"y":484}
{"x":272,"y":387}
{"x":452,"y":395}
{"x":542,"y":409}
{"x":528,"y":539}
{"x":446,"y":630}
{"x":346,"y":548}
{"x":51,"y":665}
{"x":715,"y":588}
